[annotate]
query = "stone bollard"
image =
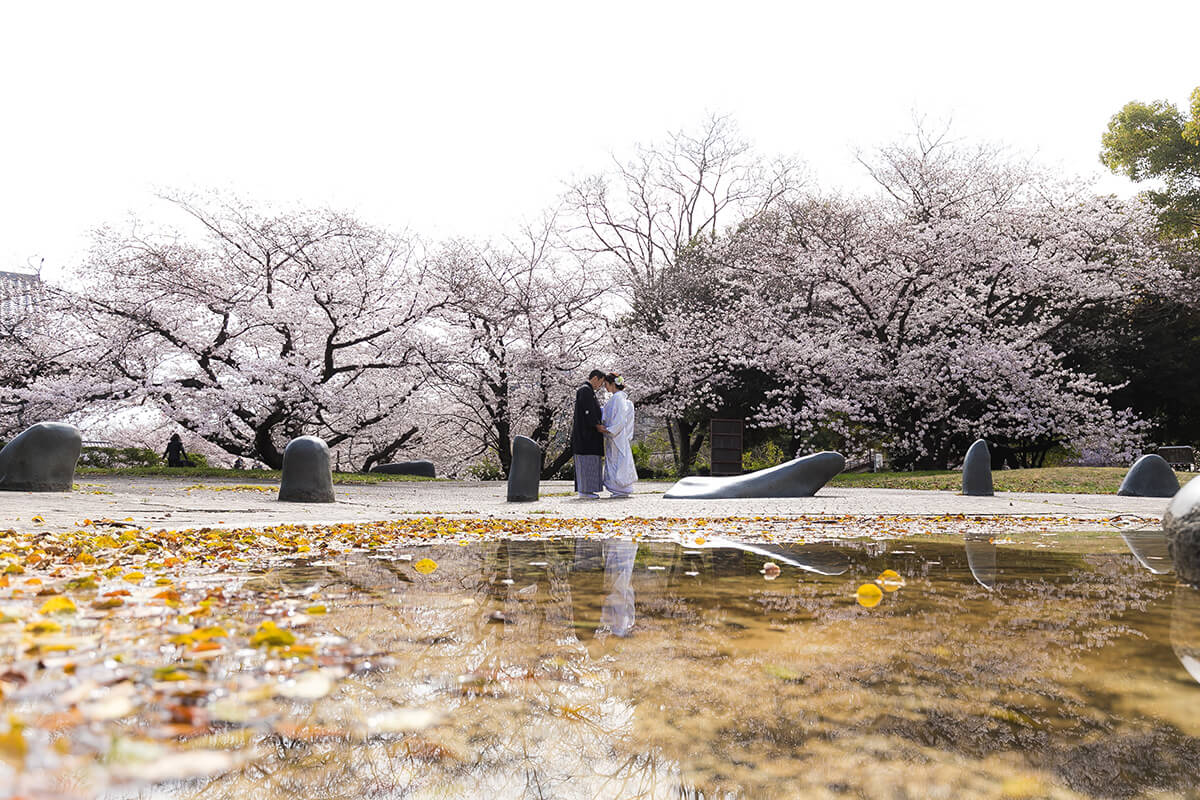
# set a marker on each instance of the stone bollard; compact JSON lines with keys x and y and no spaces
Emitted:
{"x":1181,"y":524}
{"x":307,"y":476}
{"x":41,"y":458}
{"x":422,"y":468}
{"x":977,"y":471}
{"x":1150,"y":476}
{"x":525,"y":474}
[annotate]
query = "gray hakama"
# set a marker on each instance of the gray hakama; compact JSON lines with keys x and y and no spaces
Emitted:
{"x":587,"y":474}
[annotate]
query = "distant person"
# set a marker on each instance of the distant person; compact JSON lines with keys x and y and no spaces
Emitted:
{"x":238,"y":463}
{"x":174,"y":453}
{"x":587,"y":437}
{"x":620,"y":474}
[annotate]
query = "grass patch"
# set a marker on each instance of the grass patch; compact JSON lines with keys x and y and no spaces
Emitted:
{"x":1057,"y":480}
{"x":245,"y":475}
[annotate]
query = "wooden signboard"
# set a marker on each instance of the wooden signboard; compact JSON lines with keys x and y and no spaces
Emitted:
{"x":725,"y":438}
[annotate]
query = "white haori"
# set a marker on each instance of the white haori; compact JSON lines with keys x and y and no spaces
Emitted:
{"x":619,"y":472}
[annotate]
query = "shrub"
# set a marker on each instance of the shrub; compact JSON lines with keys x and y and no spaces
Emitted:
{"x":109,"y":457}
{"x":768,"y":454}
{"x":485,"y":470}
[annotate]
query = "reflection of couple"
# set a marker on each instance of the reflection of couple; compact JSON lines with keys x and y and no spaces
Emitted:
{"x":603,"y":433}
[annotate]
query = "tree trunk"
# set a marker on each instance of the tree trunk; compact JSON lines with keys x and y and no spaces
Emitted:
{"x":264,"y":442}
{"x":549,"y":470}
{"x":504,"y":446}
{"x":386,"y":454}
{"x":686,"y":438}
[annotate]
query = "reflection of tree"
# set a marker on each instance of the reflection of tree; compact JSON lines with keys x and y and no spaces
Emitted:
{"x":732,"y":686}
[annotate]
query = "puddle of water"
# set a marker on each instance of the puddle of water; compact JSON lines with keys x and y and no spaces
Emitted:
{"x":612,"y":669}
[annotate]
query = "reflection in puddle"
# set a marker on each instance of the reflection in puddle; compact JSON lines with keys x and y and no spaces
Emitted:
{"x":981,"y":558}
{"x":573,"y":668}
{"x":1185,"y":629}
{"x":618,"y":613}
{"x":1150,"y":549}
{"x":820,"y":562}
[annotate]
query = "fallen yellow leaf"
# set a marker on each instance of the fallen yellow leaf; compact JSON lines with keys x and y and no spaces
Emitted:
{"x":869,"y":595}
{"x":425,"y":566}
{"x":58,"y":605}
{"x":890,"y":580}
{"x":296,"y":651}
{"x":12,"y":744}
{"x":271,"y":635}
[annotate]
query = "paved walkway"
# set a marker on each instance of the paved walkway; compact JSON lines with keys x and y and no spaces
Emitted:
{"x":188,"y":503}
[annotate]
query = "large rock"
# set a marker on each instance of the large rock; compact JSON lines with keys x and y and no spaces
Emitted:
{"x":525,"y":474}
{"x":41,"y":459}
{"x":307,"y":475}
{"x":422,"y":468}
{"x":801,"y":477}
{"x":1181,"y":524}
{"x":1150,"y":476}
{"x":977,"y":471}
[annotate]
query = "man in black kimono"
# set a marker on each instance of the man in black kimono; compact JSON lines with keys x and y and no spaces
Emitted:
{"x":587,"y":438}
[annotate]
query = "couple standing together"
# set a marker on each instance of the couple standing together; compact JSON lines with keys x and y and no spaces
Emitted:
{"x":603,"y":433}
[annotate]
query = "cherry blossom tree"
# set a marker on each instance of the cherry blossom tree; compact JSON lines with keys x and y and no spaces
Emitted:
{"x":258,"y":328}
{"x":46,"y":371}
{"x":514,"y":337}
{"x":925,"y":317}
{"x":645,"y":215}
{"x":961,"y":299}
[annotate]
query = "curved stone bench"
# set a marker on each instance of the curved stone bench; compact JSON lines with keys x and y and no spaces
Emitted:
{"x":421,"y":468}
{"x":801,"y":477}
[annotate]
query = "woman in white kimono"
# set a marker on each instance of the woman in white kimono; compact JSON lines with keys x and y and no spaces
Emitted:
{"x":617,"y":419}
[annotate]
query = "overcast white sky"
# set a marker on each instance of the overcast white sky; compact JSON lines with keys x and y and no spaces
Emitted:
{"x":456,"y":118}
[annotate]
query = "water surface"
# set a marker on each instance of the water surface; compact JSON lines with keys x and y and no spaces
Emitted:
{"x":572,"y":668}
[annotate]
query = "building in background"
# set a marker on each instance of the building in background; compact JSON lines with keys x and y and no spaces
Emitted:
{"x":20,"y":293}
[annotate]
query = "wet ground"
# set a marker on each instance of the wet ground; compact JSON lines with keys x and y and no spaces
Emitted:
{"x":683,"y":665}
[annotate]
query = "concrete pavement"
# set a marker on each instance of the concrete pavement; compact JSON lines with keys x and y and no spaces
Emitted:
{"x":163,"y":502}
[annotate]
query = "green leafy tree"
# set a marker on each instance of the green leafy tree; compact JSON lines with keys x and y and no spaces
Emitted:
{"x":1145,"y":344}
{"x":1156,"y":141}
